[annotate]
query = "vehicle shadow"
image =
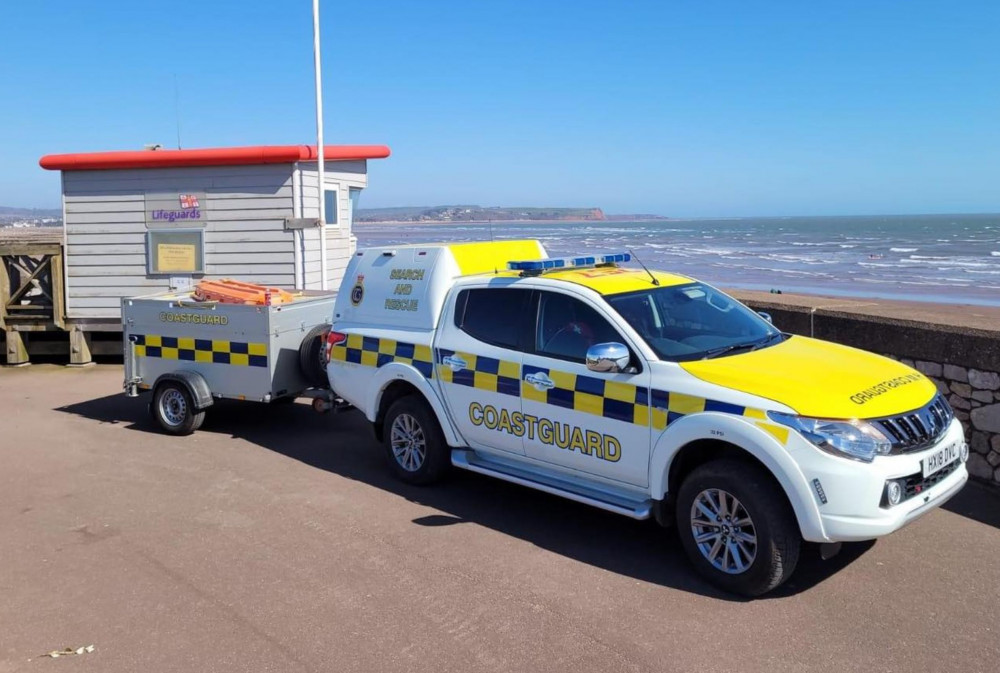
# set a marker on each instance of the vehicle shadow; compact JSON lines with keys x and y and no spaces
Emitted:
{"x":344,"y":444}
{"x":977,"y":502}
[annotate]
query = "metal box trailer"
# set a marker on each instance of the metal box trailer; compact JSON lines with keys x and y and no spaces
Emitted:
{"x":188,"y":353}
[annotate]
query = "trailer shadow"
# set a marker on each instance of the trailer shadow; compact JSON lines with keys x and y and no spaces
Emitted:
{"x":344,"y":444}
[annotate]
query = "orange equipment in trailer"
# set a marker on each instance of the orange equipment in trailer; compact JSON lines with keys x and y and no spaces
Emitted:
{"x":229,"y":291}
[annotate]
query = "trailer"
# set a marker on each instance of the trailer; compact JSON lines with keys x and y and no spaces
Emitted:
{"x":189,"y":353}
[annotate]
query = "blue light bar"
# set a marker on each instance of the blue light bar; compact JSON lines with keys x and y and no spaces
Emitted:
{"x":542,"y":265}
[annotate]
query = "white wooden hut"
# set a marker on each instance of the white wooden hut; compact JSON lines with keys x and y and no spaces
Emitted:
{"x":141,"y":222}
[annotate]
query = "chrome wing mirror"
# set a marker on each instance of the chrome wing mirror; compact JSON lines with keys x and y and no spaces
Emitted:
{"x":610,"y":358}
{"x":766,"y":316}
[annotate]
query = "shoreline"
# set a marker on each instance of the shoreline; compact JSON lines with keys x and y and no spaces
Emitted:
{"x":440,"y":223}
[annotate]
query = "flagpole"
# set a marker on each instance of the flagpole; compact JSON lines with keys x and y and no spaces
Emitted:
{"x":320,"y":149}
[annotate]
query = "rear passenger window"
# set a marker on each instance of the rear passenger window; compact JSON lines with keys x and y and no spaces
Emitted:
{"x":492,"y":315}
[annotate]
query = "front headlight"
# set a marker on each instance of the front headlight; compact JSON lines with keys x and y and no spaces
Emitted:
{"x":859,"y":440}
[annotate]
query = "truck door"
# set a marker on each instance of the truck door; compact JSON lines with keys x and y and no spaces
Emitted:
{"x":585,"y":421}
{"x":478,"y":363}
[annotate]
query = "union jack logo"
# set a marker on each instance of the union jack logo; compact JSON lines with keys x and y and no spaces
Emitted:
{"x":188,"y":201}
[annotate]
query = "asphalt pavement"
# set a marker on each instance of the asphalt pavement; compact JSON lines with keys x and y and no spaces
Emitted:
{"x":274,"y":539}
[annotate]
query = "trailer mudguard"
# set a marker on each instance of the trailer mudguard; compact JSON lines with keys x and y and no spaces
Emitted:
{"x":195,"y":383}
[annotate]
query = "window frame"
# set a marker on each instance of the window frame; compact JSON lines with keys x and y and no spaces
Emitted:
{"x":336,"y":206}
{"x":151,"y":243}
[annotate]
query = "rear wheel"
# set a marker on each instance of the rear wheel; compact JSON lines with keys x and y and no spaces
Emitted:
{"x":174,"y":409}
{"x":415,"y":447}
{"x":737,"y":528}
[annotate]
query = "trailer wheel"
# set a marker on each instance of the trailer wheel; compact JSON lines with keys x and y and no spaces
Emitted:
{"x":311,"y":356}
{"x":174,"y":410}
{"x":414,"y":444}
{"x":737,"y":528}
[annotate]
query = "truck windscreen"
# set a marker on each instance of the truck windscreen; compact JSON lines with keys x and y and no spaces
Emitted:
{"x":693,"y":321}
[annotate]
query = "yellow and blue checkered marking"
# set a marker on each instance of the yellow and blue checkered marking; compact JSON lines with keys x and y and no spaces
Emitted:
{"x":628,"y":403}
{"x":589,"y":394}
{"x":614,"y":400}
{"x":480,"y":372}
{"x":375,"y":352}
{"x":211,"y":351}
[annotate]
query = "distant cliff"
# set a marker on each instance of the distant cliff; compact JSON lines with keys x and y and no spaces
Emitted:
{"x":474,"y":214}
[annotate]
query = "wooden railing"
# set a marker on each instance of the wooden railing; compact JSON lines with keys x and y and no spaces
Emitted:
{"x":31,"y":286}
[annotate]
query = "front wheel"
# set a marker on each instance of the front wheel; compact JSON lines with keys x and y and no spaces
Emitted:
{"x":174,"y":409}
{"x":737,"y":527}
{"x":415,"y":446}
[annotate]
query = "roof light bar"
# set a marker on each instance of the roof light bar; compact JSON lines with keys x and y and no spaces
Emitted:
{"x":536,"y":266}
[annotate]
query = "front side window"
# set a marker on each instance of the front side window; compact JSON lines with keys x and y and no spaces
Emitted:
{"x":693,"y":321}
{"x":567,"y":327}
{"x":492,"y":315}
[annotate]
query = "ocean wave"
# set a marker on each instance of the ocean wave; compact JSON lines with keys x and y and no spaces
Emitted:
{"x":995,"y":253}
{"x":903,"y":249}
{"x":933,"y":257}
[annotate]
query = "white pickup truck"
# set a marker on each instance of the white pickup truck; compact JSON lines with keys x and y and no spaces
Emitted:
{"x":645,"y":393}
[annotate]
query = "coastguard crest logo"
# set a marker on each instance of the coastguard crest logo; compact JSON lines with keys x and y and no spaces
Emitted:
{"x":358,"y":291}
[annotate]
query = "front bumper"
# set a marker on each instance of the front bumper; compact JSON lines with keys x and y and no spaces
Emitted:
{"x":853,"y":490}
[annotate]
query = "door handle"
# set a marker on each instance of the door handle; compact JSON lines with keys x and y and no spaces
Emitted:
{"x":456,"y":363}
{"x":540,"y":381}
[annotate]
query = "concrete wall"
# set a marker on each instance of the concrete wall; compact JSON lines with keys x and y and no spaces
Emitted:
{"x":963,"y":361}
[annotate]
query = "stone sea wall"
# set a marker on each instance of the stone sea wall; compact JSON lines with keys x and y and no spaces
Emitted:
{"x":964,"y":362}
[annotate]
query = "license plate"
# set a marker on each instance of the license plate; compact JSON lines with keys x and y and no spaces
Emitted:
{"x":940,"y":459}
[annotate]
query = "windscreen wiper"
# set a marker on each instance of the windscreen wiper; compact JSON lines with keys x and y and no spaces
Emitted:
{"x":749,"y":345}
{"x":725,"y":350}
{"x":768,"y":339}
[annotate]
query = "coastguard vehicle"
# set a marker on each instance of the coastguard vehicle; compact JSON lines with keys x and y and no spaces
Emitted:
{"x":645,"y":393}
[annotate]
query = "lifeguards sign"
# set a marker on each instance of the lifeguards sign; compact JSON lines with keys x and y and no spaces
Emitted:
{"x":168,"y":210}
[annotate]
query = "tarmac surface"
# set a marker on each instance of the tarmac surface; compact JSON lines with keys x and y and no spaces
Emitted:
{"x":274,"y":539}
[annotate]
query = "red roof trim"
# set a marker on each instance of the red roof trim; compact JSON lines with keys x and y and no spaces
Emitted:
{"x":219,"y":156}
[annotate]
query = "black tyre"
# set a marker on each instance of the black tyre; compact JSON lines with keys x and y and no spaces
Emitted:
{"x":312,"y":363}
{"x":414,"y":444}
{"x":737,"y":527}
{"x":174,"y":410}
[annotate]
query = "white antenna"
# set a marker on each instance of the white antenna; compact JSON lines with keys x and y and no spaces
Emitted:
{"x":319,"y":147}
{"x":177,"y":110}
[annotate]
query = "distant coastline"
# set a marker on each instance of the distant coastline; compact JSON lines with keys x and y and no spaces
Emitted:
{"x":486,"y":214}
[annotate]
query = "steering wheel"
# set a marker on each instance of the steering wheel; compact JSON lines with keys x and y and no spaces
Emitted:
{"x":581,"y":328}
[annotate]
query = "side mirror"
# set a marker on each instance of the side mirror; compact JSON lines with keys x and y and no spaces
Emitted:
{"x":766,"y":316}
{"x":609,"y":358}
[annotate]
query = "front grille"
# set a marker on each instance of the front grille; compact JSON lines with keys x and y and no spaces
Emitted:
{"x":917,"y":430}
{"x":916,"y":484}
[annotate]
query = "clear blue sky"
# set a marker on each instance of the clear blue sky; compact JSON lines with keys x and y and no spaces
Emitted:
{"x":681,"y":108}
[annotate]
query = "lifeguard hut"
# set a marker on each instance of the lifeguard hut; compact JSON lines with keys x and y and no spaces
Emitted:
{"x":145,"y":221}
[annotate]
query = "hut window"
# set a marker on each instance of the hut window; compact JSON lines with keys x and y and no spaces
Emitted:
{"x":331,"y":205}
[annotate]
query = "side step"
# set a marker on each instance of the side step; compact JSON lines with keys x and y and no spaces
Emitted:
{"x":617,"y":502}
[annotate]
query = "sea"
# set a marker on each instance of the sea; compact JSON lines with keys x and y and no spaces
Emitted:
{"x":953,"y":259}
